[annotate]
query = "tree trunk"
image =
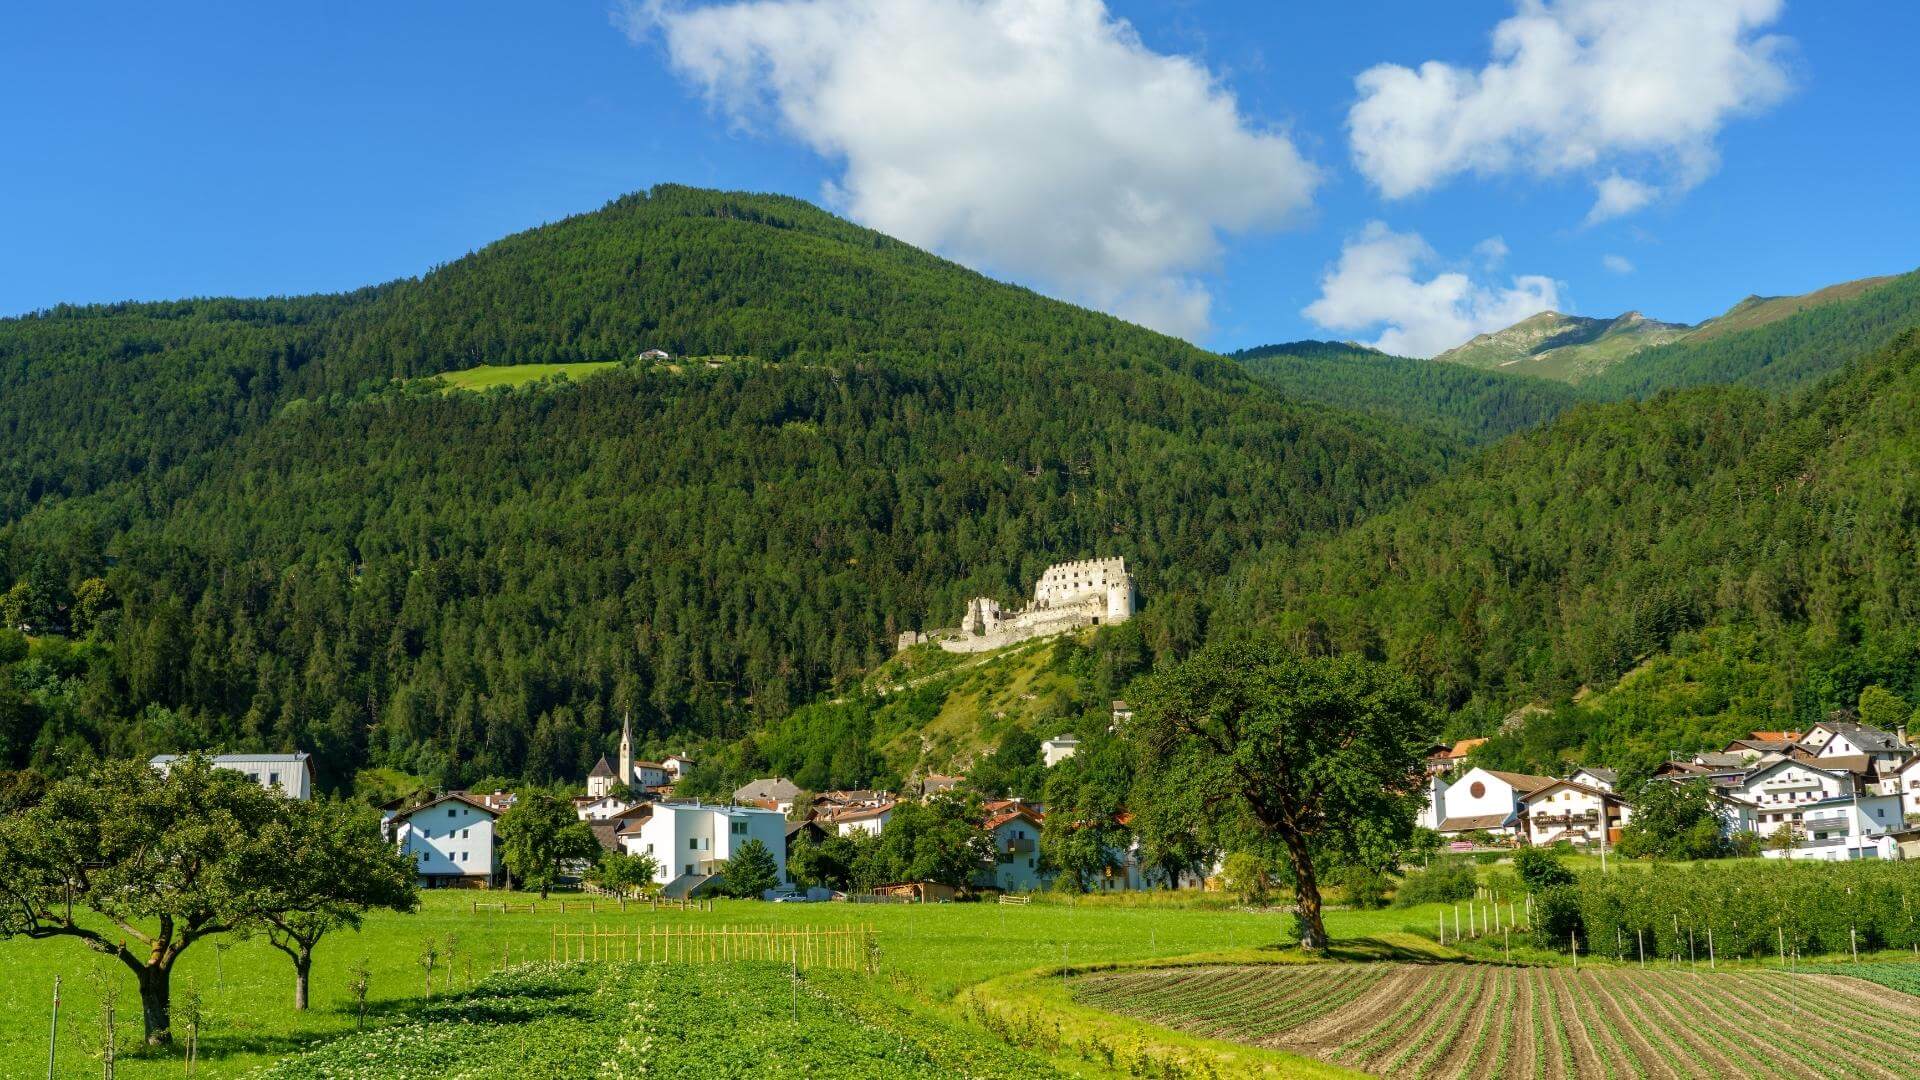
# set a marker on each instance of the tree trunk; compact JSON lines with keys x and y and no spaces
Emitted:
{"x":1306,"y":894}
{"x":302,"y":972}
{"x":156,"y":1002}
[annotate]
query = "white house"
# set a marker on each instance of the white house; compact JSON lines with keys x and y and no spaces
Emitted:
{"x":291,"y":774}
{"x":1574,"y":812}
{"x":1482,"y":801}
{"x":1015,"y":830}
{"x":688,"y":839}
{"x":871,"y":820}
{"x":1829,"y":810}
{"x":1058,"y":749}
{"x":678,"y":766}
{"x":602,"y":808}
{"x":1597,"y":778}
{"x":450,"y":840}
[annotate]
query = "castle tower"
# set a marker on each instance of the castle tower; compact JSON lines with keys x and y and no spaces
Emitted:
{"x":626,"y":750}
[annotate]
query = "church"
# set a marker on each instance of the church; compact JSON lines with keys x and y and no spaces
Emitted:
{"x":605,"y":780}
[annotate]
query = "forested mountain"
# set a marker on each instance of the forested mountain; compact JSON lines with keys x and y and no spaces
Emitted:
{"x":1776,"y":344}
{"x":1448,"y":399}
{"x":1749,"y":558}
{"x":264,"y":529}
{"x":1773,"y":342}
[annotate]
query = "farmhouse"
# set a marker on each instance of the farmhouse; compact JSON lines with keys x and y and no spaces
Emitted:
{"x":450,"y":841}
{"x":1576,"y":813}
{"x":1014,"y":828}
{"x":289,"y":774}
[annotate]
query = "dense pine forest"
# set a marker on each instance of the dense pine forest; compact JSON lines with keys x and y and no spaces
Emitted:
{"x":1650,"y":576}
{"x":266,"y":524}
{"x":263,"y":525}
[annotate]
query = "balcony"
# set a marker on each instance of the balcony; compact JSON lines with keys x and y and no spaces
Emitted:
{"x":1020,"y":846}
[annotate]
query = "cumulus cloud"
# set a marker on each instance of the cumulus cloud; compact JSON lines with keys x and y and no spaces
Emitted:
{"x":1037,"y":138}
{"x":1618,"y":264}
{"x":1618,"y":196}
{"x":1492,"y":251}
{"x":1572,"y":86}
{"x":1376,"y":285}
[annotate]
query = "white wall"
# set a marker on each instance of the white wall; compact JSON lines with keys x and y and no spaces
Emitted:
{"x":1017,"y":871}
{"x":448,"y":839}
{"x":686,"y":839}
{"x":1496,"y":796}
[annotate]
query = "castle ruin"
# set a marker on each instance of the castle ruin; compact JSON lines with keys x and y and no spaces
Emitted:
{"x":1070,"y":595}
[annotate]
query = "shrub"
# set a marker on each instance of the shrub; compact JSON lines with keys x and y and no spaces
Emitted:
{"x":1540,"y":869}
{"x":1445,"y":882}
{"x":1365,"y":887}
{"x":1556,"y":918}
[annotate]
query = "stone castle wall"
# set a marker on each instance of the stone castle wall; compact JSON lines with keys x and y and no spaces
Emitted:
{"x":1068,"y":596}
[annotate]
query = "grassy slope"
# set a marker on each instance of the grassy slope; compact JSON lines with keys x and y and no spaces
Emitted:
{"x":1761,"y":310}
{"x":488,"y":376}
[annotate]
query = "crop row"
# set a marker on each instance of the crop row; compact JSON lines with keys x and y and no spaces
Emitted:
{"x":1487,"y":1021}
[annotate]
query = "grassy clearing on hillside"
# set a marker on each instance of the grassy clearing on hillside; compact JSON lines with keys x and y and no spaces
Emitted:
{"x":248,"y":987}
{"x":487,"y":376}
{"x":1487,"y":1021}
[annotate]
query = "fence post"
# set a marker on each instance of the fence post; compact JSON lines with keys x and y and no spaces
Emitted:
{"x":53,"y":1034}
{"x":1711,"y":961}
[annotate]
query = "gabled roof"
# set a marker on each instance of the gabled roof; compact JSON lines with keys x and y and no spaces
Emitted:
{"x":858,"y":813}
{"x":222,"y":759}
{"x":994,"y":821}
{"x":774,"y":787}
{"x":601,"y":768}
{"x":1870,"y":739}
{"x":451,"y":796}
{"x":1522,"y":781}
{"x":1717,"y":760}
{"x":1596,"y":771}
{"x":1583,"y":788}
{"x":1464,"y":747}
{"x":605,"y":834}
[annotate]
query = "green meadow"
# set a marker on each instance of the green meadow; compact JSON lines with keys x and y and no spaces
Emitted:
{"x":928,"y":954}
{"x":487,"y":376}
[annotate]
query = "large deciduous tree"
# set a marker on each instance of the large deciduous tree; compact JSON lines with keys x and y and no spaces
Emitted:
{"x":162,"y":861}
{"x":1322,"y":755}
{"x":321,"y":866}
{"x":540,"y":837}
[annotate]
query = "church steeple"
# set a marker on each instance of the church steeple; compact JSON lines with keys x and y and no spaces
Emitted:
{"x":626,"y":749}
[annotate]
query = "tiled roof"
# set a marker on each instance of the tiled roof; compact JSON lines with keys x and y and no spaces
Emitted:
{"x":1523,"y":781}
{"x":1469,"y":824}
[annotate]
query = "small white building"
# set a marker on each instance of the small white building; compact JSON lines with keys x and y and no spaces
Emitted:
{"x":689,"y":839}
{"x":1058,"y":749}
{"x":871,"y":820}
{"x":1845,"y":738}
{"x":450,"y":841}
{"x":1908,"y":780}
{"x":290,"y":774}
{"x":1482,"y":801}
{"x":678,"y":766}
{"x":1597,"y":778}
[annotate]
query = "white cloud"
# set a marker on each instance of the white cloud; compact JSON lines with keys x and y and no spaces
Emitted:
{"x":1036,"y":138}
{"x":1573,"y":85}
{"x":1492,"y":251}
{"x":1617,"y":196}
{"x":1618,"y":264}
{"x":1375,"y":285}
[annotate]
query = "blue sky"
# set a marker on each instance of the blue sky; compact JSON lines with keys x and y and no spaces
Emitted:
{"x":1200,"y":170}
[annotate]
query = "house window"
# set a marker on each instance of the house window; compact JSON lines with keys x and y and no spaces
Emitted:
{"x":449,"y":811}
{"x":273,"y":778}
{"x":1477,"y":790}
{"x":738,"y":827}
{"x":689,"y":869}
{"x":693,"y":844}
{"x":464,"y":832}
{"x":463,"y":856}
